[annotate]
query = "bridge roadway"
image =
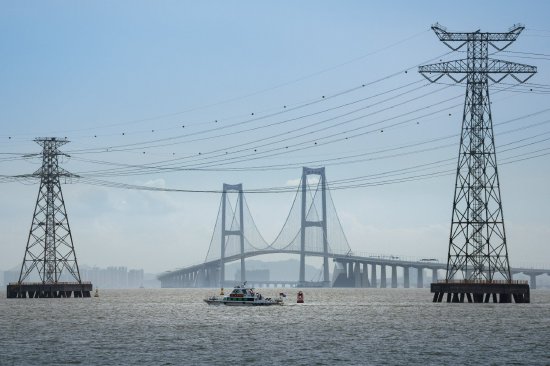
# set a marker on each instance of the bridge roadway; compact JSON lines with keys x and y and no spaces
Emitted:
{"x":351,"y":271}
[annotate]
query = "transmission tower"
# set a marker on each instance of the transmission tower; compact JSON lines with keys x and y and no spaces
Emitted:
{"x":477,"y":246}
{"x":50,"y":253}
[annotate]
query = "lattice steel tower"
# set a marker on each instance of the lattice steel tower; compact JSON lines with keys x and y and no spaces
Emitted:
{"x":50,"y":252}
{"x":477,"y":244}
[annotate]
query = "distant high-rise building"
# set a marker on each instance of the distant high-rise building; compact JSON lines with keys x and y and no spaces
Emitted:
{"x":135,"y":278}
{"x":114,"y":277}
{"x":10,"y":276}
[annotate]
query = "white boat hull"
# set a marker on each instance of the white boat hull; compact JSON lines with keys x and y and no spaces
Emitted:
{"x":243,"y":296}
{"x":243,"y":303}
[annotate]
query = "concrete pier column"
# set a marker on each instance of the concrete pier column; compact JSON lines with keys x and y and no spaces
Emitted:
{"x":373,"y":280}
{"x":349,"y":270}
{"x":419,"y":278}
{"x":533,"y":281}
{"x":365,"y":280}
{"x":216,"y":277}
{"x":357,"y":274}
{"x":198,"y":279}
{"x":383,"y":276}
{"x":406,"y":282}
{"x":434,"y":275}
{"x":212,"y":275}
{"x":207,"y":274}
{"x":394,"y":276}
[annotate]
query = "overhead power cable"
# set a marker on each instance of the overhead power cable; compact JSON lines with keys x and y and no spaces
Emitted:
{"x":257,"y":92}
{"x":440,"y":173}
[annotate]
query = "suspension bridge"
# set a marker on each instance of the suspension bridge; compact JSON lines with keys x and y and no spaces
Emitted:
{"x":312,"y":229}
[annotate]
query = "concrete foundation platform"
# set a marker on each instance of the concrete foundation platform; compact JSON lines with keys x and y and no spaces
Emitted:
{"x":481,"y":291}
{"x":49,"y":290}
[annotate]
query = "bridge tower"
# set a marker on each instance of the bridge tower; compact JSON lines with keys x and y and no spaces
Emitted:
{"x":322,"y":223}
{"x":50,"y":254}
{"x":232,"y":231}
{"x":478,"y":253}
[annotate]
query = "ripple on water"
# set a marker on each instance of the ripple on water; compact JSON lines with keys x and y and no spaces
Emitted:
{"x":334,"y":326}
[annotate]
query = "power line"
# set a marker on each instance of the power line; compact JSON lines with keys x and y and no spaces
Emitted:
{"x":139,"y":146}
{"x":312,"y":142}
{"x":165,"y":164}
{"x":344,"y":183}
{"x":278,"y":86}
{"x":441,"y":173}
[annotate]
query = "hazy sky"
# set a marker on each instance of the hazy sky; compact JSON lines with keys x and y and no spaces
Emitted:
{"x":261,"y":89}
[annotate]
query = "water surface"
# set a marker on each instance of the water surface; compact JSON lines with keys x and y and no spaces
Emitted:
{"x":334,"y":326}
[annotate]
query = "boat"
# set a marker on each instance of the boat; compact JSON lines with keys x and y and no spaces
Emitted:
{"x":243,"y":295}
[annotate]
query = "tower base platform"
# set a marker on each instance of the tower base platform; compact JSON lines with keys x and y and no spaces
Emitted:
{"x":49,"y":290}
{"x":481,"y":291}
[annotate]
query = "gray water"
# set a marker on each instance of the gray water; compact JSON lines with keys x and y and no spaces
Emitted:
{"x":333,"y":327}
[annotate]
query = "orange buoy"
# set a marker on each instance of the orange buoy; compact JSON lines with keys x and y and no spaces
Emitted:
{"x":300,"y":297}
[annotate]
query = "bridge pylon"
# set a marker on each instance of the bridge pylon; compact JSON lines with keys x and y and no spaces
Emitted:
{"x":225,"y":232}
{"x":477,"y":262}
{"x":305,"y":223}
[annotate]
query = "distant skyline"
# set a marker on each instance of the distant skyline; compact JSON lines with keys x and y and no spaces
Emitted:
{"x":190,"y":95}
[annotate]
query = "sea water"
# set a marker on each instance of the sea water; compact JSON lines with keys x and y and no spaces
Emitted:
{"x":332,"y":327}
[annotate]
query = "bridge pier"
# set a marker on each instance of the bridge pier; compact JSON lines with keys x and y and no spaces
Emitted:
{"x":383,"y":276}
{"x":533,"y":281}
{"x":206,"y":277}
{"x":215,"y":277}
{"x":419,"y":277}
{"x":394,"y":276}
{"x":193,"y":278}
{"x":357,"y":274}
{"x":406,"y":282}
{"x":205,"y":282}
{"x":366,"y":275}
{"x":373,"y":281}
{"x":434,"y":275}
{"x":199,"y":278}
